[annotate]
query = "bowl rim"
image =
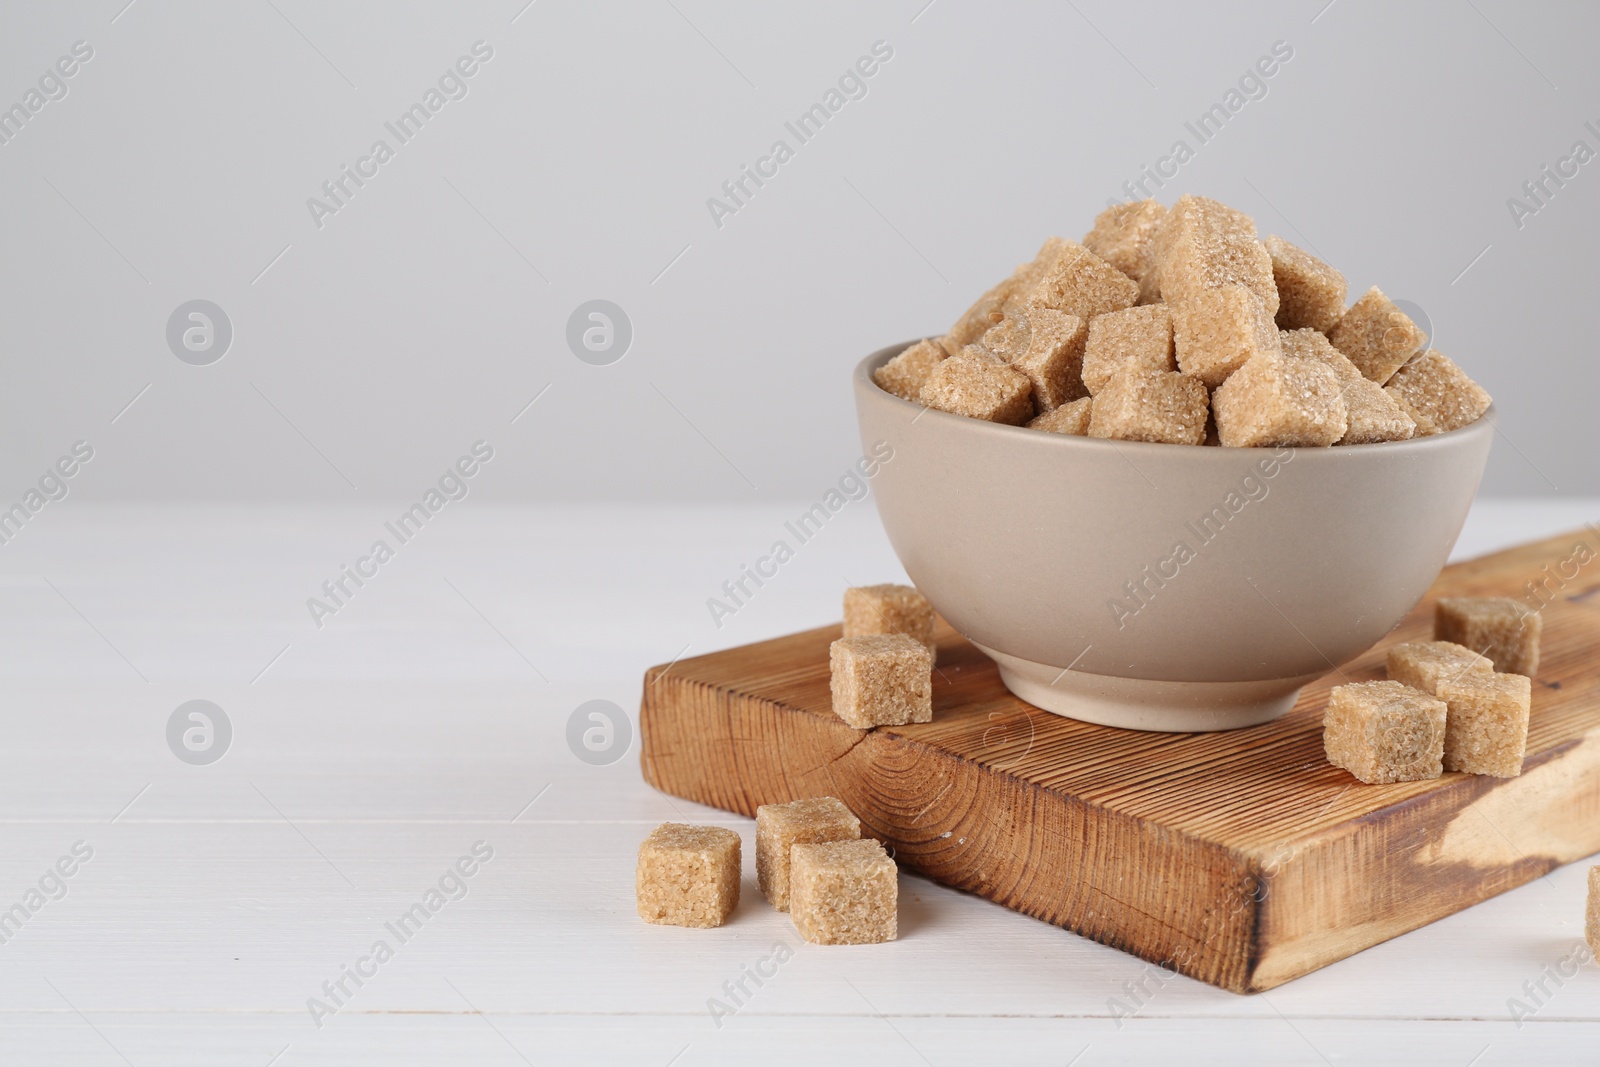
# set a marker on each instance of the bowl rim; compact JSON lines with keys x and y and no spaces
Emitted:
{"x":862,"y":376}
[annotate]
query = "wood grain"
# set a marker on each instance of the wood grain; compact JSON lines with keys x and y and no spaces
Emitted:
{"x":1242,"y":859}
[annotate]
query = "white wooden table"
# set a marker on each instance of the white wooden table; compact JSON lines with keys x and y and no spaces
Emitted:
{"x":430,"y":713}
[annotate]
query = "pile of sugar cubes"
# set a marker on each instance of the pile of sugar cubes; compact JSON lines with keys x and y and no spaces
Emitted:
{"x":1180,"y":326}
{"x":811,"y":860}
{"x":1457,"y":703}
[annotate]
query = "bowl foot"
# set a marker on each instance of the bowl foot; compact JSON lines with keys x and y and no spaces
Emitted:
{"x":1142,"y":704}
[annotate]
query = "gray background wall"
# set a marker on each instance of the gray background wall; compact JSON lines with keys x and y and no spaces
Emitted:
{"x":370,"y":352}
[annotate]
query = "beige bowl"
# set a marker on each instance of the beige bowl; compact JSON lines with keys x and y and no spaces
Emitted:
{"x":1163,"y":587}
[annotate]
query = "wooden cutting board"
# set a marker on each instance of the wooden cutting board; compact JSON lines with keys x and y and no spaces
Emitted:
{"x":1242,"y":859}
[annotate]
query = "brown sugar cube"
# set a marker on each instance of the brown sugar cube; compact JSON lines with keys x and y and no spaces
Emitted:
{"x":979,"y":386}
{"x":1425,"y":664}
{"x":1310,"y":344}
{"x":1123,"y":236}
{"x":1385,"y":732}
{"x":1047,"y":346}
{"x":905,"y":374}
{"x":1007,"y":338}
{"x":781,"y":826}
{"x":1377,"y":336}
{"x":881,"y":680}
{"x":1192,"y":215}
{"x":1070,"y":418}
{"x":1140,"y":405}
{"x":688,"y":875}
{"x":1274,"y":400}
{"x":1134,"y":337}
{"x":984,"y":313}
{"x":1374,"y":416}
{"x":1055,"y":369}
{"x":1188,"y":216}
{"x":844,"y":893}
{"x":1437,"y":394}
{"x":888,"y":609}
{"x":1204,"y":244}
{"x":1486,"y":729}
{"x":1591,"y":923}
{"x":1029,"y":274}
{"x":1506,"y":631}
{"x":1310,"y":293}
{"x":1053,"y":255}
{"x":1075,"y":280}
{"x":1053,"y":357}
{"x":1215,"y":331}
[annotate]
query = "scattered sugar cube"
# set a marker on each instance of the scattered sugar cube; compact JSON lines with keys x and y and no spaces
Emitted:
{"x":905,"y":374}
{"x":1374,"y":416}
{"x":1047,"y":346}
{"x":1310,"y":293}
{"x":979,"y":386}
{"x":1215,"y":331}
{"x":1311,"y":344}
{"x":1070,"y":418}
{"x":780,"y":826}
{"x":1507,"y":631}
{"x":888,"y":609}
{"x":1204,"y":244}
{"x":843,"y":893}
{"x":1123,"y":233}
{"x":1075,"y":280}
{"x":881,"y":680}
{"x":1486,"y":730}
{"x":1377,"y":336}
{"x":1437,"y":393}
{"x":1140,"y":405}
{"x":1591,"y":924}
{"x":688,"y":875}
{"x":1385,"y":732}
{"x":1276,"y":400}
{"x":1424,"y":664}
{"x":1138,"y":337}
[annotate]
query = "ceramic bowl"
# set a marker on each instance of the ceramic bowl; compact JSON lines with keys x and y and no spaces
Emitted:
{"x":1163,"y":587}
